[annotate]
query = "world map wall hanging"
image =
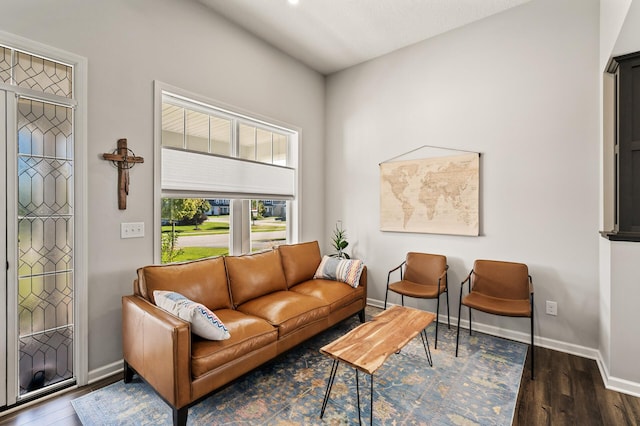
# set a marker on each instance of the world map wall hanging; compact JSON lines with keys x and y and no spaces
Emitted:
{"x":438,"y":195}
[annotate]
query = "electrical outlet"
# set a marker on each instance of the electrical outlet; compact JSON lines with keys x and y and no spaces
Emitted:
{"x":552,"y":308}
{"x":132,"y":230}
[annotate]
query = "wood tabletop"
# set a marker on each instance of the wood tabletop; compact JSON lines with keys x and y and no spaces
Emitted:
{"x":368,"y":346}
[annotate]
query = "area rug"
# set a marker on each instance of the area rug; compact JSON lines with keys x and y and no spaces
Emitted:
{"x":480,"y":387}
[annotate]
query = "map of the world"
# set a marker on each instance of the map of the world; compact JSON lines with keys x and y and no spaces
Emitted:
{"x":437,"y":195}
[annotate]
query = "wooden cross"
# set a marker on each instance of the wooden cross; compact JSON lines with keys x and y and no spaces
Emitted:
{"x":124,"y":159}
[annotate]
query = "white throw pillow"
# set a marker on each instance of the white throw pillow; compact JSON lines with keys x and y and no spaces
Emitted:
{"x":204,"y":323}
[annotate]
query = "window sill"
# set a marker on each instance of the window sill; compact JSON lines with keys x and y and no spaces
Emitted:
{"x":621,"y":236}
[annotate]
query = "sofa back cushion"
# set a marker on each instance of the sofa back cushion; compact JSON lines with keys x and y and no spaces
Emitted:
{"x":300,"y":261}
{"x":203,"y":281}
{"x":254,"y":275}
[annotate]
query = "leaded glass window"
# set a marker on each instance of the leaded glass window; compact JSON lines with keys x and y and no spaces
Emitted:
{"x":43,"y":218}
{"x":5,"y":64}
{"x":45,"y":241}
{"x":42,"y":75}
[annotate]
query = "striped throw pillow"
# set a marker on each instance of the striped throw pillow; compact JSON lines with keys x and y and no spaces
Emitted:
{"x":343,"y":270}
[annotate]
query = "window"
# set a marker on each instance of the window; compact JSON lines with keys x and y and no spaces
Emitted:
{"x":268,"y":223}
{"x":227,"y":181}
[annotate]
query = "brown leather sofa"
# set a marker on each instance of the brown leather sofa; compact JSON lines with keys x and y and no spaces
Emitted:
{"x":268,"y":301}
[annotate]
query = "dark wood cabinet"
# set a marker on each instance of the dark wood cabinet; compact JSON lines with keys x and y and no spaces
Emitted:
{"x":626,"y":69}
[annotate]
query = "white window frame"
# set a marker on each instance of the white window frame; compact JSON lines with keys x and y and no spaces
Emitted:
{"x":239,"y":241}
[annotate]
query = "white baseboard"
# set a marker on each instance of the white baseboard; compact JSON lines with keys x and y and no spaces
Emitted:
{"x":106,"y":371}
{"x":518,"y":336}
{"x":615,"y":383}
{"x":611,"y":383}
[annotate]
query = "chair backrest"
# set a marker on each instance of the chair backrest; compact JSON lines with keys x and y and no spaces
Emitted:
{"x":423,"y":268}
{"x":507,"y":280}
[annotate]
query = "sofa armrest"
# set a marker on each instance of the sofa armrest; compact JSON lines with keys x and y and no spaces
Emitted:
{"x":363,"y":280}
{"x":157,"y":345}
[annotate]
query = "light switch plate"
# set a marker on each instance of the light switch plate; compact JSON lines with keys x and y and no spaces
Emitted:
{"x":132,"y":230}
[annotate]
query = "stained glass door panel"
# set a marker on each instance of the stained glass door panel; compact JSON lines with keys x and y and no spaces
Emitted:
{"x":3,"y":233}
{"x":45,"y":244}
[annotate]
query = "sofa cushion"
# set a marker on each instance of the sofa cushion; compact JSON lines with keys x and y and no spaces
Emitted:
{"x":254,"y":275}
{"x":343,"y":270}
{"x":335,"y":294}
{"x":204,"y":323}
{"x":203,"y":281}
{"x":300,"y":261}
{"x":248,"y":333}
{"x":287,"y":310}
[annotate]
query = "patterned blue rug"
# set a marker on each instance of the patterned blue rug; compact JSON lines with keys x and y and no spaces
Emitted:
{"x":480,"y":387}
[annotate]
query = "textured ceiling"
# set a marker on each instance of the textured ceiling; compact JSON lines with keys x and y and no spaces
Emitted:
{"x":330,"y":35}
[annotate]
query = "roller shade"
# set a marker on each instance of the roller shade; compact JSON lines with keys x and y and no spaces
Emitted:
{"x":192,"y":172}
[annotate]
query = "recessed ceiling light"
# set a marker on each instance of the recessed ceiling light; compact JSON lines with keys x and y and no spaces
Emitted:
{"x":294,"y":2}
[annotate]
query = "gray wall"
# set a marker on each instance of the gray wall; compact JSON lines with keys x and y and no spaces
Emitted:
{"x":129,"y":44}
{"x":521,"y":87}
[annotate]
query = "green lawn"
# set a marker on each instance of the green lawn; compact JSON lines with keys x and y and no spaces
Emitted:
{"x":206,"y":228}
{"x":267,"y":228}
{"x":209,"y":228}
{"x":192,"y":253}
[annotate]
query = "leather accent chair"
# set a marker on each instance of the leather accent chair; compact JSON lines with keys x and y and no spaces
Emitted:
{"x":499,"y":288}
{"x":422,"y":276}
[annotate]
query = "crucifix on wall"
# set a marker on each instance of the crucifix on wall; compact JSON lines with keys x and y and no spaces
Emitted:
{"x":124,"y":159}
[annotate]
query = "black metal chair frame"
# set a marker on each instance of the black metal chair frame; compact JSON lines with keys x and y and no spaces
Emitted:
{"x":468,"y":280}
{"x":446,"y":290}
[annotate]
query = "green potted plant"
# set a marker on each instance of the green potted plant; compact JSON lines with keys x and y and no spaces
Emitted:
{"x":339,"y":242}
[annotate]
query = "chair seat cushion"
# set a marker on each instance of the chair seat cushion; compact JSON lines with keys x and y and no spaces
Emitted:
{"x":287,"y":310}
{"x":248,"y":333}
{"x":411,"y":289}
{"x":498,"y":306}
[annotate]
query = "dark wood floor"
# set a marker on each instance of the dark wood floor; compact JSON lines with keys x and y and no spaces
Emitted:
{"x":567,"y":390}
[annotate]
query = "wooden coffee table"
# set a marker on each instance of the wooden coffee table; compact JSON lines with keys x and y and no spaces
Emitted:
{"x":367,"y":347}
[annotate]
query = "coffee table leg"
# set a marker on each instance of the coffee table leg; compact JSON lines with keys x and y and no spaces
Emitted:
{"x":358,"y":396}
{"x":334,"y":369}
{"x":425,"y":343}
{"x":371,"y":400}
